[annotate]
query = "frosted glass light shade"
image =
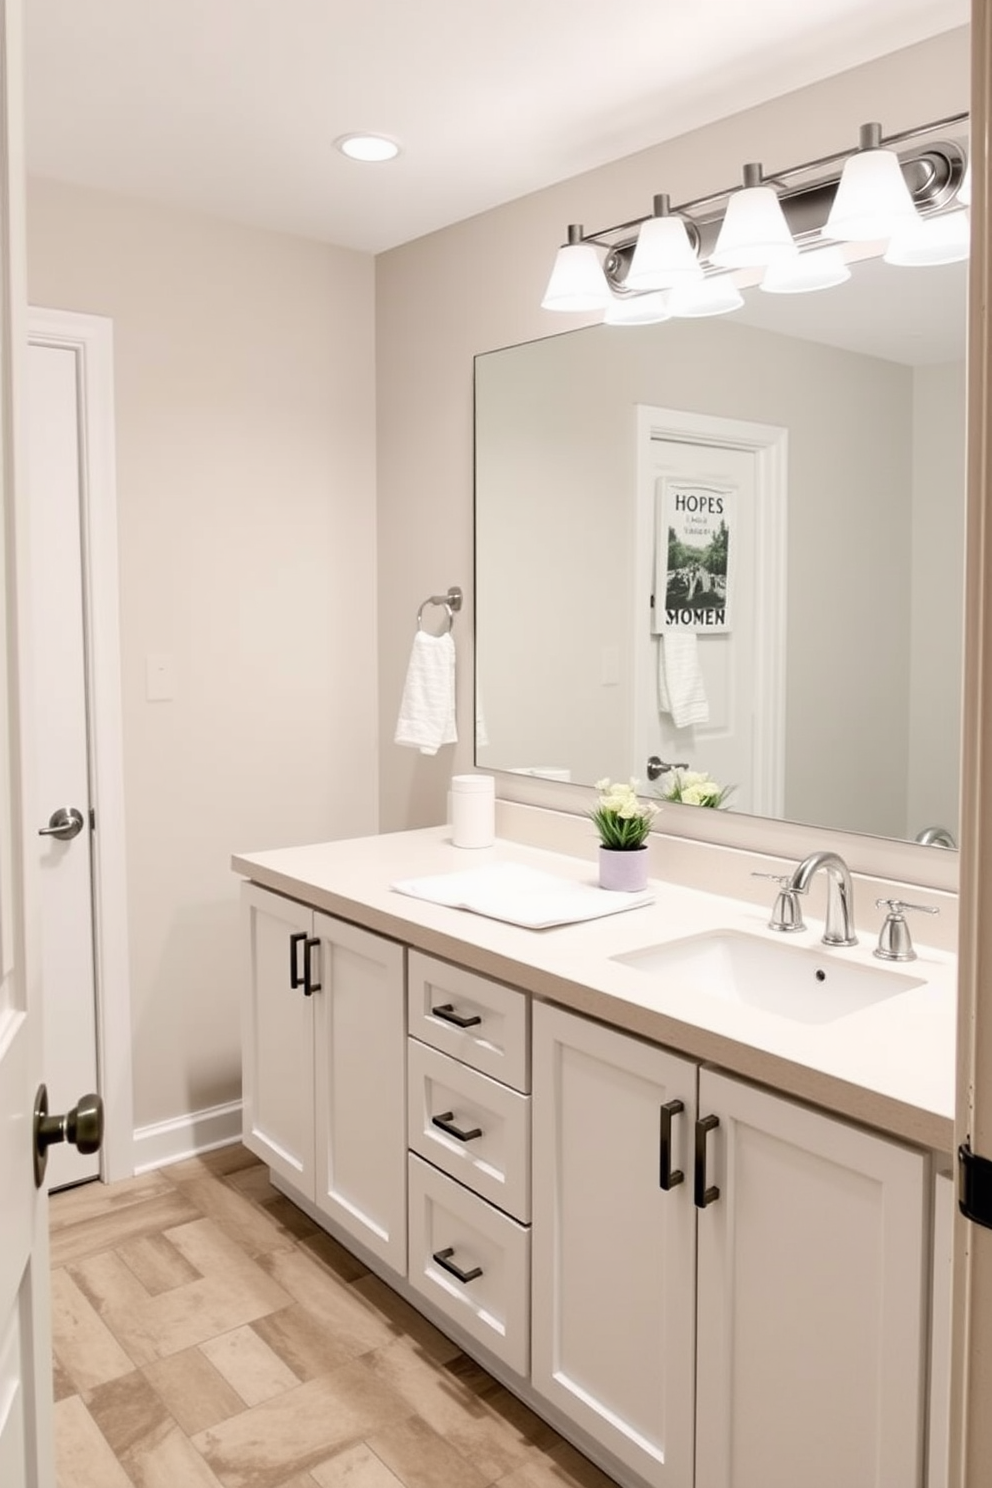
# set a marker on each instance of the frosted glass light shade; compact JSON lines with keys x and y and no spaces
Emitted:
{"x":931,"y":240}
{"x":577,"y":280}
{"x":711,"y":296}
{"x":754,"y":231}
{"x":663,"y":255}
{"x":640,"y":309}
{"x":872,"y":200}
{"x":821,"y":268}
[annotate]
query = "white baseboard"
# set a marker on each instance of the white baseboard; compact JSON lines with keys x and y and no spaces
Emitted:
{"x":186,"y":1136}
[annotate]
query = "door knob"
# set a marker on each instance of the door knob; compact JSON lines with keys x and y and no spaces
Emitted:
{"x":65,"y":823}
{"x":82,"y":1126}
{"x":658,"y":767}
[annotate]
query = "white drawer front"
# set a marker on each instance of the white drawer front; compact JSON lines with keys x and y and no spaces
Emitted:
{"x":492,"y":1153}
{"x":450,"y":1227}
{"x":473,"y":1019}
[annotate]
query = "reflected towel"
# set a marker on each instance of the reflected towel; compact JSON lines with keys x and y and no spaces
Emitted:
{"x":427,"y":708}
{"x":680,"y":679}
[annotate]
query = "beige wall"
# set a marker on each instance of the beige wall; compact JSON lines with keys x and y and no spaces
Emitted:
{"x":245,"y":445}
{"x":938,"y":573}
{"x":478,"y":285}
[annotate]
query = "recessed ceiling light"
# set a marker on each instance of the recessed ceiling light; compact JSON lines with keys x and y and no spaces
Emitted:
{"x":367,"y":147}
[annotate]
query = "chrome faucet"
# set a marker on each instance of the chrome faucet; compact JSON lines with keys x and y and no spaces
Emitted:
{"x":936,"y":837}
{"x":839,"y":927}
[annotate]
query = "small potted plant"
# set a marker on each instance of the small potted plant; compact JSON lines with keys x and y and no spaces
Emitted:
{"x":696,"y":788}
{"x":623,"y":823}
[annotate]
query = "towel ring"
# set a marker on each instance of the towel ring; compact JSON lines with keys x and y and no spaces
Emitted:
{"x":449,"y":602}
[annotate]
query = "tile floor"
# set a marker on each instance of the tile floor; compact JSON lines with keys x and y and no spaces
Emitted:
{"x":208,"y":1335}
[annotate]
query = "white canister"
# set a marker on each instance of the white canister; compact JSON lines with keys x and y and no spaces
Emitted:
{"x":473,"y":810}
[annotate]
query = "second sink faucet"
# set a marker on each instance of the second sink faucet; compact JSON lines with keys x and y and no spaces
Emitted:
{"x":839,"y":927}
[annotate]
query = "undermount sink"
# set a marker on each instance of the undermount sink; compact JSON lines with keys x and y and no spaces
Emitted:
{"x":795,"y":982}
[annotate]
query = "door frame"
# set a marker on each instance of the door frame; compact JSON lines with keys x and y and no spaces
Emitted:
{"x":90,"y":339}
{"x":769,"y":445}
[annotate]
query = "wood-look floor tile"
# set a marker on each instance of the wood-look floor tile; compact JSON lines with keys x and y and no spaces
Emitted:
{"x":87,"y":1201}
{"x":294,"y":1431}
{"x":254,"y":1229}
{"x":82,"y":1457}
{"x":75,"y":1242}
{"x":292,"y":1219}
{"x":118,"y":1296}
{"x":168,"y":1461}
{"x":499,"y":1399}
{"x":253,"y":1183}
{"x":355,"y":1467}
{"x":193,"y":1391}
{"x":562,"y":1467}
{"x":87,"y":1350}
{"x":302,"y":1342}
{"x":230,"y":1290}
{"x":405,"y":1321}
{"x":128,"y":1412}
{"x":156,"y":1263}
{"x":493,"y":1442}
{"x":420,"y":1458}
{"x":333,"y":1257}
{"x":233,"y":1158}
{"x":62,"y":1383}
{"x":249,"y":1365}
{"x":334,"y":1304}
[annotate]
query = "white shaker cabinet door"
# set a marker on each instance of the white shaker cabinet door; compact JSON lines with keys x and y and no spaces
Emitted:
{"x":360,"y":1044}
{"x":613,"y":1279}
{"x":811,"y":1299}
{"x":277,"y":1037}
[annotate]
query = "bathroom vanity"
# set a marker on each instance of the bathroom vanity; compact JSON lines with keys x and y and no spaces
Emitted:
{"x":705,"y":1234}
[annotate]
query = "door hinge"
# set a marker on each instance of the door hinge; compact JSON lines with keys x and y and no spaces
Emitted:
{"x":975,"y":1186}
{"x":92,"y":818}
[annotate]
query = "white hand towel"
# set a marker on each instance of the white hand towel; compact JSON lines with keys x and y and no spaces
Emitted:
{"x":427,"y":708}
{"x":680,"y":680}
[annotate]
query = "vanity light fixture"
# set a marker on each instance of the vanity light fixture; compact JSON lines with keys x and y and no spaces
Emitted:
{"x":873,"y":200}
{"x":696,"y":253}
{"x":932,"y":240}
{"x":964,"y":190}
{"x":577,"y":280}
{"x":820,"y":268}
{"x":664,"y":254}
{"x":638,"y":309}
{"x":717,"y":294}
{"x":754,"y":232}
{"x":370,"y":148}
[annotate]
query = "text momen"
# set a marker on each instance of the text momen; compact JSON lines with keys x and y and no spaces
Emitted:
{"x":695,"y":617}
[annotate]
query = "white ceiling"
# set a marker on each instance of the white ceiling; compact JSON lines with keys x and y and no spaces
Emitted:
{"x":232,"y":106}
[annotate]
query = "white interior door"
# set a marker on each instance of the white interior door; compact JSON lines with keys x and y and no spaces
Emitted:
{"x":25,"y":1360}
{"x":704,"y":472}
{"x":61,"y":776}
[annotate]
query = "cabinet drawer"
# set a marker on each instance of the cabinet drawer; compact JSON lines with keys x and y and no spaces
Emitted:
{"x":492,"y":1156}
{"x":451,"y":1227}
{"x":473,"y":1019}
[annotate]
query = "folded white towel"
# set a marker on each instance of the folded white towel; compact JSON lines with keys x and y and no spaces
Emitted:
{"x":681,"y":691}
{"x":427,"y":708}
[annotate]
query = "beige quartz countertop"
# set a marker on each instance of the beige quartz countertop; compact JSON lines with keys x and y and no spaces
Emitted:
{"x":890,"y":1066}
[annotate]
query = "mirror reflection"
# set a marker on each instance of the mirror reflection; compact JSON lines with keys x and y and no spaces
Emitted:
{"x":833,"y":423}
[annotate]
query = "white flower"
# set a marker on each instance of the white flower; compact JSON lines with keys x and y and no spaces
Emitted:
{"x":700,"y":794}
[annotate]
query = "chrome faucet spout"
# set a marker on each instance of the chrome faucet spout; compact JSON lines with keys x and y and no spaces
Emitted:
{"x":839,"y":927}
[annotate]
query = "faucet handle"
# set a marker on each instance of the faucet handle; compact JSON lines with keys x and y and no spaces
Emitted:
{"x":894,"y":940}
{"x":787,"y":914}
